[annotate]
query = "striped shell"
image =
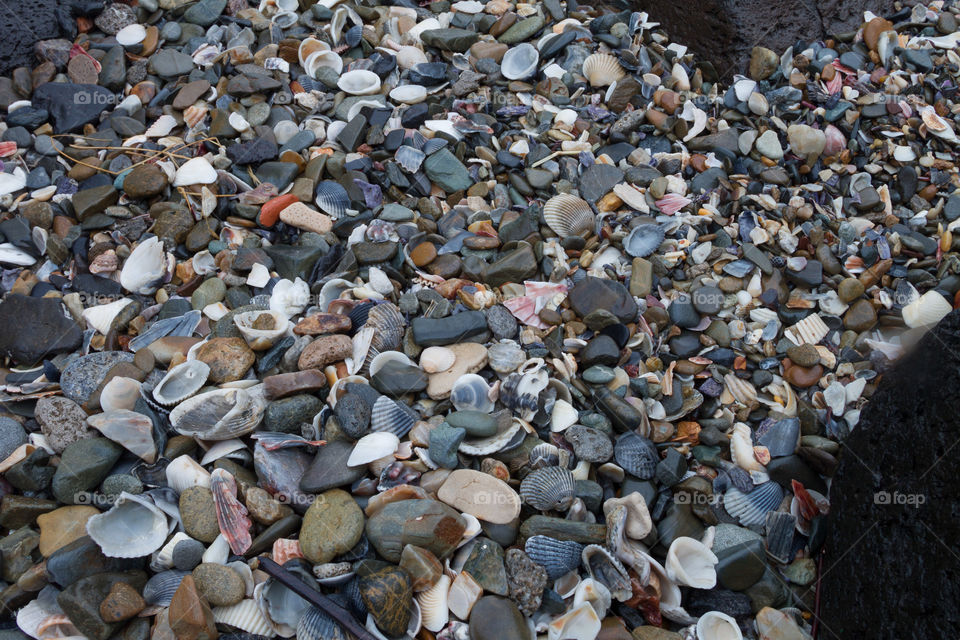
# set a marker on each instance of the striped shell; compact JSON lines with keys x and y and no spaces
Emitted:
{"x":194,"y":114}
{"x":558,"y":557}
{"x":548,"y":489}
{"x":636,"y":455}
{"x":389,"y":325}
{"x":181,"y":382}
{"x":643,"y":240}
{"x":568,"y":215}
{"x":314,"y":624}
{"x":332,"y":198}
{"x":810,"y":330}
{"x":602,"y":69}
{"x":751,"y":508}
{"x":245,"y":616}
{"x":391,"y":416}
{"x":409,"y":158}
{"x":926,"y":310}
{"x":160,"y":588}
{"x":471,"y":393}
{"x":739,"y":390}
{"x":433,"y":604}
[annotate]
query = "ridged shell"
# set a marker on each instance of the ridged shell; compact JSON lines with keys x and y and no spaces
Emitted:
{"x":558,"y":557}
{"x":433,"y":604}
{"x":133,"y":528}
{"x":314,"y":624}
{"x":691,"y":563}
{"x":359,"y":82}
{"x":928,"y":309}
{"x":332,"y":198}
{"x":194,"y":114}
{"x":218,"y":415}
{"x":548,"y":489}
{"x":231,"y":514}
{"x":181,"y":382}
{"x":520,"y":62}
{"x":410,"y":158}
{"x":602,"y":69}
{"x":740,"y":390}
{"x":752,"y":508}
{"x":810,"y":330}
{"x":643,"y":240}
{"x":391,"y":416}
{"x":245,"y":616}
{"x":160,"y":588}
{"x":636,"y":455}
{"x":714,"y":625}
{"x":568,"y":215}
{"x":471,"y":393}
{"x":544,"y":455}
{"x":388,"y":322}
{"x":603,"y":567}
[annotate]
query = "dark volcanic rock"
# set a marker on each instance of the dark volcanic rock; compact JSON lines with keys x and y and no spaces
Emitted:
{"x":893,"y":529}
{"x":72,"y":105}
{"x":48,"y":330}
{"x":22,"y":23}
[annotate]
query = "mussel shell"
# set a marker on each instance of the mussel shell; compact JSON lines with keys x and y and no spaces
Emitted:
{"x":548,"y":489}
{"x":636,"y":455}
{"x":558,"y":557}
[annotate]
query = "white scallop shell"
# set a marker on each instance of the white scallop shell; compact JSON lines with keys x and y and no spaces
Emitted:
{"x":691,"y":563}
{"x":359,"y":82}
{"x":181,"y":382}
{"x":436,"y":359}
{"x":810,"y":330}
{"x":433,"y":604}
{"x":714,"y":625}
{"x":602,"y":69}
{"x":246,"y":616}
{"x":134,"y":527}
{"x":568,"y":215}
{"x":161,"y":126}
{"x":926,"y":310}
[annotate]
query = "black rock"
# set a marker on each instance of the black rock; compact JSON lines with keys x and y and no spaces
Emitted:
{"x":592,"y":293}
{"x":35,"y":328}
{"x":256,"y":150}
{"x":467,"y":326}
{"x":600,"y":350}
{"x":23,"y":23}
{"x":329,"y":469}
{"x":72,"y":105}
{"x":82,"y":558}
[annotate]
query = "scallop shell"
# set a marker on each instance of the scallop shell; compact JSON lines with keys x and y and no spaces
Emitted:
{"x":231,"y":515}
{"x":547,"y":455}
{"x":437,"y":359}
{"x":739,"y":390}
{"x":637,"y":455}
{"x":810,"y":330}
{"x":181,"y":382}
{"x":161,"y":127}
{"x":315,"y":624}
{"x":219,"y":415}
{"x":132,"y":430}
{"x":643,"y":240}
{"x":133,"y":528}
{"x":751,"y":508}
{"x":261,"y":339}
{"x":607,"y":570}
{"x":332,"y":198}
{"x":145,"y":267}
{"x":392,"y":417}
{"x":928,"y":309}
{"x":558,"y":557}
{"x":359,"y":82}
{"x":602,"y":69}
{"x":409,"y":158}
{"x":714,"y":625}
{"x":548,"y":489}
{"x":319,"y":59}
{"x":471,"y":393}
{"x":433,"y":604}
{"x":245,"y":616}
{"x":520,"y":62}
{"x":373,"y":446}
{"x":389,"y":325}
{"x":691,"y":563}
{"x":568,"y":215}
{"x":160,"y":588}
{"x":184,"y":472}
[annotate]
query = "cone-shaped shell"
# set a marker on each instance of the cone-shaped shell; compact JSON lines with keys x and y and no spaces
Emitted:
{"x":568,"y":215}
{"x":134,"y":527}
{"x":602,"y":69}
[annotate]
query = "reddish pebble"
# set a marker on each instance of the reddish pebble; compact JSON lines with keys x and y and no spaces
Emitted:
{"x":270,"y":211}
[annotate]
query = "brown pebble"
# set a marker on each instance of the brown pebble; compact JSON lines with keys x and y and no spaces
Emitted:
{"x":320,"y":323}
{"x":423,"y":254}
{"x":122,"y":603}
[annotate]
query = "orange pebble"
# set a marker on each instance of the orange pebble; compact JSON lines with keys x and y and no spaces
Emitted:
{"x":270,"y":211}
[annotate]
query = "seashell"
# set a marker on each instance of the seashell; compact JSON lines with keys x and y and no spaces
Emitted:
{"x":391,"y":416}
{"x":183,"y":472}
{"x":315,"y":624}
{"x":409,"y":94}
{"x":691,"y":563}
{"x":285,"y":19}
{"x":636,"y":455}
{"x":289,"y":298}
{"x":132,"y":430}
{"x":714,"y":625}
{"x":181,"y":382}
{"x":521,"y":391}
{"x":548,"y":489}
{"x":353,"y":35}
{"x":505,"y":357}
{"x":359,"y":82}
{"x":281,"y":606}
{"x":741,"y":448}
{"x":195,"y":171}
{"x":752,"y":508}
{"x":632,"y":196}
{"x":373,"y":446}
{"x":568,"y":215}
{"x":162,"y":126}
{"x":409,"y":158}
{"x":926,"y":310}
{"x":563,"y":416}
{"x":133,"y":528}
{"x":643,"y":240}
{"x":309,"y":46}
{"x":409,"y":56}
{"x":195,"y":114}
{"x":507,"y":438}
{"x":607,"y":570}
{"x":437,"y":359}
{"x":389,"y":325}
{"x":160,"y":588}
{"x":558,"y":557}
{"x":320,"y":59}
{"x":810,"y":330}
{"x":218,"y":415}
{"x":520,"y":62}
{"x":245,"y":616}
{"x":739,"y":390}
{"x":119,"y":393}
{"x":145,"y":268}
{"x":581,"y":621}
{"x":433,"y":604}
{"x":101,"y":317}
{"x":547,"y":455}
{"x":131,"y":35}
{"x":231,"y":515}
{"x":471,"y":393}
{"x":592,"y":592}
{"x":333,"y":573}
{"x":262,"y":329}
{"x":332,"y":199}
{"x":381,"y":360}
{"x":602,"y":69}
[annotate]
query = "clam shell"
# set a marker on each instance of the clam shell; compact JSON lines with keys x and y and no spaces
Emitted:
{"x":471,"y":393}
{"x":373,"y":446}
{"x":714,"y":625}
{"x":691,"y":563}
{"x":437,"y":359}
{"x":160,"y":588}
{"x":332,"y":198}
{"x":520,"y":62}
{"x":602,"y":69}
{"x":195,"y":171}
{"x":183,"y":472}
{"x":433,"y":604}
{"x":245,"y":616}
{"x":133,"y":528}
{"x":607,"y":570}
{"x":181,"y":382}
{"x":928,"y":309}
{"x":568,"y":215}
{"x":261,"y":339}
{"x":636,"y":455}
{"x":132,"y":430}
{"x":643,"y":240}
{"x":558,"y":557}
{"x":548,"y":489}
{"x":309,"y":46}
{"x":751,"y":508}
{"x":810,"y":330}
{"x":319,"y":59}
{"x":393,"y":417}
{"x":409,"y":94}
{"x":219,"y":415}
{"x":146,"y":267}
{"x":359,"y":82}
{"x":408,"y":56}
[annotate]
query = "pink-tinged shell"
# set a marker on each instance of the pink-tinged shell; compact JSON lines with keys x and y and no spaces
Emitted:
{"x":285,"y":549}
{"x":7,"y":148}
{"x":231,"y":515}
{"x":194,"y":114}
{"x":671,"y":203}
{"x":836,"y":141}
{"x":106,"y":262}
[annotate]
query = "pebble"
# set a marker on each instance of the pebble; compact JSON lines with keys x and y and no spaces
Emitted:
{"x":331,"y":526}
{"x":220,"y":586}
